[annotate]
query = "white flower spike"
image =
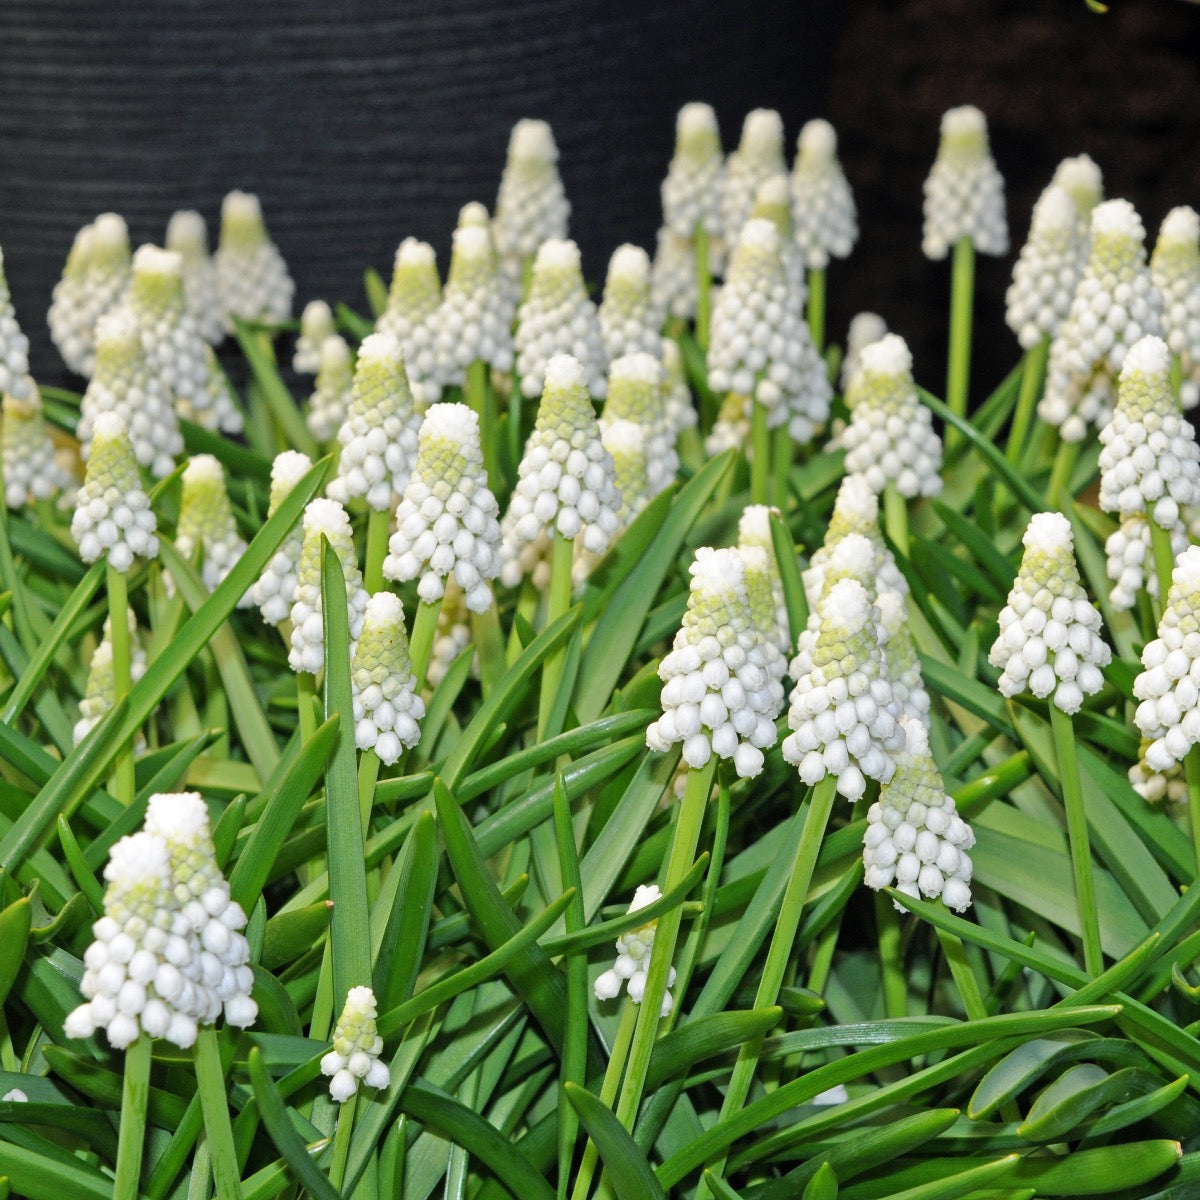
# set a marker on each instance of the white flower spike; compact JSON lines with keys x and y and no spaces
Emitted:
{"x":206,"y":522}
{"x":692,"y":190}
{"x":758,"y":156}
{"x":1081,"y":179}
{"x":411,"y":316}
{"x":531,"y":206}
{"x":1049,"y":642}
{"x":1129,"y":551}
{"x":677,"y":396}
{"x":356,"y":1048}
{"x":635,"y":393}
{"x":316,"y":324}
{"x":386,"y":705}
{"x":275,"y":588}
{"x":764,"y":590}
{"x":99,"y":694}
{"x":964,"y":193}
{"x":865,"y":329}
{"x":1175,"y":269}
{"x":14,"y":346}
{"x":330,"y":402}
{"x":633,"y":957}
{"x":251,"y":274}
{"x":673,"y":283}
{"x":187,"y":236}
{"x":826,"y":223}
{"x":1047,"y":271}
{"x":31,"y":470}
{"x":629,"y":318}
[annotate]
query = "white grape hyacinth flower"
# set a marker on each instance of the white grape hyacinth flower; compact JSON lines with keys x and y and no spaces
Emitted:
{"x":717,"y":695}
{"x":890,"y":438}
{"x":900,"y":655}
{"x":1129,"y":559}
{"x":557,"y":317}
{"x":1082,"y":180}
{"x":673,"y":283}
{"x":864,"y":330}
{"x":1169,"y":684}
{"x":1150,"y":462}
{"x":762,"y":593}
{"x":1156,"y":786}
{"x":253,"y":278}
{"x":329,"y":404}
{"x":630,"y":321}
{"x":1049,"y":642}
{"x":187,"y":236}
{"x":324,"y":520}
{"x":14,"y":346}
{"x":206,"y":523}
{"x":99,"y":693}
{"x":632,"y":965}
{"x":754,"y":530}
{"x":1175,"y":269}
{"x":692,"y":190}
{"x":452,"y":637}
{"x":113,"y":518}
{"x":316,"y":324}
{"x":411,"y":316}
{"x":357,"y":1046}
{"x":30,"y":467}
{"x":823,"y":212}
{"x":843,"y":714}
{"x":379,"y":436}
{"x":447,"y":522}
{"x":1115,"y":305}
{"x":1046,"y":271}
{"x":531,"y":205}
{"x":772,"y":202}
{"x":386,"y":704}
{"x":915,"y":838}
{"x":635,"y":393}
{"x":565,"y":480}
{"x":678,"y":405}
{"x":275,"y":589}
{"x":758,"y":156}
{"x":964,"y":192}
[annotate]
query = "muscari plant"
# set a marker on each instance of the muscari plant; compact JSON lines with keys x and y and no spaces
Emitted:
{"x":351,"y":720}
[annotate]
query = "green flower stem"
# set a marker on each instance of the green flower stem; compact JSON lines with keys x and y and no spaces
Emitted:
{"x":760,"y":449}
{"x":368,"y":774}
{"x":489,"y":644}
{"x":686,"y":838}
{"x":341,"y":1142}
{"x":1077,"y":832}
{"x":781,"y":467}
{"x":964,"y":978}
{"x":1164,"y":562}
{"x":1191,"y":772}
{"x":1031,"y":385}
{"x":962,"y":299}
{"x":377,"y":544}
{"x":1176,"y":374}
{"x":218,"y":1132}
{"x":562,"y":555}
{"x":483,"y":400}
{"x":703,"y":287}
{"x":124,"y":785}
{"x":816,"y":307}
{"x":895,"y":518}
{"x":1060,"y":475}
{"x":891,"y":958}
{"x":420,"y":642}
{"x":820,"y":805}
{"x":135,"y":1101}
{"x":306,"y":694}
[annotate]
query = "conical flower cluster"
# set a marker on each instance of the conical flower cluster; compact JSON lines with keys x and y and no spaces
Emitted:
{"x":379,"y":437}
{"x":915,"y":838}
{"x":453,"y":634}
{"x":1175,"y":269}
{"x":316,"y":324}
{"x":635,"y":393}
{"x":168,"y":953}
{"x":386,"y":704}
{"x":99,"y":694}
{"x":411,"y":316}
{"x":629,"y":319}
{"x":1047,"y":271}
{"x":759,"y":155}
{"x":187,"y":236}
{"x":677,"y":396}
{"x":447,"y":521}
{"x":1169,"y":685}
{"x":1049,"y":641}
{"x":531,"y":206}
{"x":565,"y":480}
{"x":113,"y":518}
{"x":1081,"y":179}
{"x":673,"y":284}
{"x":558,"y":318}
{"x":329,"y":404}
{"x":865,"y":328}
{"x":252,"y":277}
{"x":826,"y":223}
{"x":1129,"y":559}
{"x":275,"y":588}
{"x":772,"y":202}
{"x":633,"y":957}
{"x":30,"y":468}
{"x":764,"y":585}
{"x":718,"y":694}
{"x":964,"y":193}
{"x":206,"y":522}
{"x":890,"y":438}
{"x":1115,"y":304}
{"x":356,"y":1048}
{"x":692,"y":190}
{"x":14,"y":346}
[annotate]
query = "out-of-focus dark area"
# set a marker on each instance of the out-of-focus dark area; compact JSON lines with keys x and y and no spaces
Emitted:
{"x":363,"y":122}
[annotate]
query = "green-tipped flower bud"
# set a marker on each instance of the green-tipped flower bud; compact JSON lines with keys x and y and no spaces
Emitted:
{"x":1175,"y":269}
{"x":635,"y":393}
{"x":252,"y":276}
{"x":1081,"y":179}
{"x":386,"y":704}
{"x":1047,"y":271}
{"x":865,"y":328}
{"x":275,"y":588}
{"x":316,"y":324}
{"x":823,"y":210}
{"x":411,"y":316}
{"x":765,"y":590}
{"x":187,"y":235}
{"x":206,"y":522}
{"x":758,"y":156}
{"x":475,"y":320}
{"x":629,"y":319}
{"x":356,"y":1048}
{"x":329,"y":404}
{"x":531,"y":206}
{"x":692,"y":190}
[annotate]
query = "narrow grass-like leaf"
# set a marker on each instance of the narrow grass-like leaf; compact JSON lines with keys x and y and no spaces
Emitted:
{"x":680,"y":1049}
{"x":38,"y":1178}
{"x":795,"y":601}
{"x":822,"y":1186}
{"x":1016,"y":1071}
{"x":625,"y":1165}
{"x":402,"y":943}
{"x":89,"y":885}
{"x":1099,"y":1172}
{"x":1143,"y":1108}
{"x":14,"y":938}
{"x":1076,"y":1094}
{"x":960,"y":1183}
{"x":290,"y":934}
{"x":274,"y":391}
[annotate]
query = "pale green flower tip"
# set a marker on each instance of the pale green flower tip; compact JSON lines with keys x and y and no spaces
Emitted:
{"x":625,"y":442}
{"x":1082,"y":180}
{"x":1117,"y":231}
{"x":635,"y":389}
{"x":964,"y":192}
{"x":557,"y":263}
{"x":187,"y":235}
{"x":383,"y":642}
{"x":448,"y":442}
{"x":628,"y":271}
{"x":760,"y":586}
{"x":1179,"y":236}
{"x":1147,"y":366}
{"x":474,"y":215}
{"x":108,"y":245}
{"x":565,"y":404}
{"x":697,"y":135}
{"x":964,"y":133}
{"x":762,"y":135}
{"x":204,"y":498}
{"x":415,"y":266}
{"x":242,"y":220}
{"x":157,"y":280}
{"x":1053,"y":214}
{"x":379,"y":374}
{"x":888,"y":359}
{"x":532,"y":142}
{"x":772,"y":202}
{"x":816,"y":145}
{"x":288,"y":468}
{"x":717,"y":594}
{"x":754,"y":525}
{"x":471,"y":250}
{"x":316,"y":321}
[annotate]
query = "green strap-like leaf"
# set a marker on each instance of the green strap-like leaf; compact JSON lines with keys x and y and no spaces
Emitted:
{"x":624,"y":1161}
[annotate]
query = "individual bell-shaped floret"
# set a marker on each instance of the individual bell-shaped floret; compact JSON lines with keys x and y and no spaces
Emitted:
{"x":356,"y":1048}
{"x":113,"y":518}
{"x":758,"y":156}
{"x":379,"y":436}
{"x":30,"y":468}
{"x":557,"y":317}
{"x":1150,"y":462}
{"x":447,"y":520}
{"x":693,"y":188}
{"x":678,"y":405}
{"x":754,"y":530}
{"x":915,"y":838}
{"x":316,"y":324}
{"x":1047,"y":270}
{"x":865,"y":328}
{"x":1129,"y":551}
{"x":93,"y":281}
{"x":633,"y":957}
{"x":386,"y":704}
{"x":14,"y":346}
{"x":187,"y":236}
{"x":635,"y":393}
{"x":630,"y":321}
{"x":330,"y":402}
{"x":717,"y":695}
{"x":1081,"y":179}
{"x":1175,"y":269}
{"x":1169,"y":685}
{"x":275,"y":588}
{"x":206,"y":522}
{"x":826,"y":223}
{"x":474,"y":323}
{"x":843,"y":714}
{"x":890,"y":438}
{"x":251,"y":274}
{"x":1049,"y":641}
{"x":1156,"y":786}
{"x":565,"y":480}
{"x":673,"y":283}
{"x":531,"y":206}
{"x":99,"y":693}
{"x":1115,"y":304}
{"x":324,"y":520}
{"x":411,"y":316}
{"x":125,"y":383}
{"x":964,"y":193}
